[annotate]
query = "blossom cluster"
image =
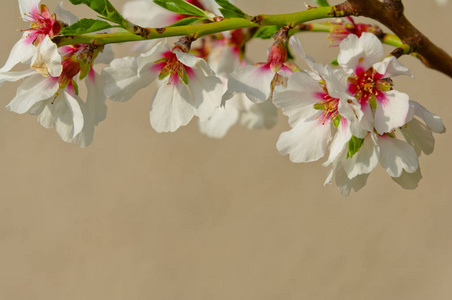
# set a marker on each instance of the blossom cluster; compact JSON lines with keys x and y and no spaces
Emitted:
{"x":350,"y":114}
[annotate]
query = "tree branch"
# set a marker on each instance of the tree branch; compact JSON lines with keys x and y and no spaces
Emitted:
{"x":140,"y":33}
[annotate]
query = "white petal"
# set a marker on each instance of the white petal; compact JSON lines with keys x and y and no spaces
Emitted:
{"x":336,"y":82}
{"x":223,"y":60}
{"x":106,"y":56}
{"x":432,"y":120}
{"x":409,"y":181}
{"x":360,"y":52}
{"x":392,"y":111}
{"x":65,"y":114}
{"x":396,"y":156}
{"x":329,"y":177}
{"x":366,"y":122}
{"x":207,"y":91}
{"x":47,"y":60}
{"x":95,"y":101}
{"x":147,"y":14}
{"x":419,"y":136}
{"x":76,"y":114}
{"x":28,"y":6}
{"x":170,"y":109}
{"x":391,"y":67}
{"x":255,"y":82}
{"x":37,"y":108}
{"x":122,"y":81}
{"x":144,"y":46}
{"x":35,"y":88}
{"x":85,"y":137}
{"x":295,"y":44}
{"x":258,"y":115}
{"x":22,"y":52}
{"x":15,"y":76}
{"x":152,"y":55}
{"x":45,"y":117}
{"x":64,"y":15}
{"x":192,"y":61}
{"x":345,"y":184}
{"x":339,"y":143}
{"x":223,"y":119}
{"x":301,"y":91}
{"x":306,"y":142}
{"x":364,"y":161}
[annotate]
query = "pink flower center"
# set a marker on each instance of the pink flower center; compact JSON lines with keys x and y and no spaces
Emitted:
{"x":368,"y":86}
{"x":340,"y":32}
{"x":170,"y":66}
{"x":42,"y":23}
{"x":328,"y":105}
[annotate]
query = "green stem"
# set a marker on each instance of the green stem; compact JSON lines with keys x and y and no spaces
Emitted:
{"x":386,"y":38}
{"x":200,"y":30}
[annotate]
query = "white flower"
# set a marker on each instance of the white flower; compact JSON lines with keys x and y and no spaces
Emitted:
{"x":48,"y":91}
{"x":259,"y":81}
{"x":239,"y":109}
{"x":225,"y":56}
{"x":188,"y":86}
{"x":64,"y":112}
{"x":41,"y":82}
{"x":43,"y":24}
{"x":378,"y":105}
{"x":314,"y":103}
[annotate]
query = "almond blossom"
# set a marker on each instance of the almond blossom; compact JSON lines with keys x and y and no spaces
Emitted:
{"x":42,"y":24}
{"x":49,"y":89}
{"x":378,"y":105}
{"x":314,"y":101}
{"x":224,"y":55}
{"x":382,"y":116}
{"x":259,"y":81}
{"x":355,"y":113}
{"x":188,"y":87}
{"x":49,"y":92}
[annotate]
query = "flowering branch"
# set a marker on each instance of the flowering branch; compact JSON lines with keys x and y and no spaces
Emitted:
{"x":348,"y":111}
{"x":198,"y":31}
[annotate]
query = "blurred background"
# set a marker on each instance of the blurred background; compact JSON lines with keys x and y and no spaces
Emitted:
{"x":141,"y":215}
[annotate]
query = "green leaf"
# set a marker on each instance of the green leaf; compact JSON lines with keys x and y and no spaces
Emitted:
{"x":104,"y":8}
{"x":187,"y":21}
{"x":266,"y":32}
{"x":181,"y":7}
{"x":86,"y":26}
{"x":334,"y":62}
{"x":229,"y":10}
{"x":354,"y":144}
{"x":321,"y":2}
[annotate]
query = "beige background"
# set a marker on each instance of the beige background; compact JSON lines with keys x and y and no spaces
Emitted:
{"x":141,"y":215}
